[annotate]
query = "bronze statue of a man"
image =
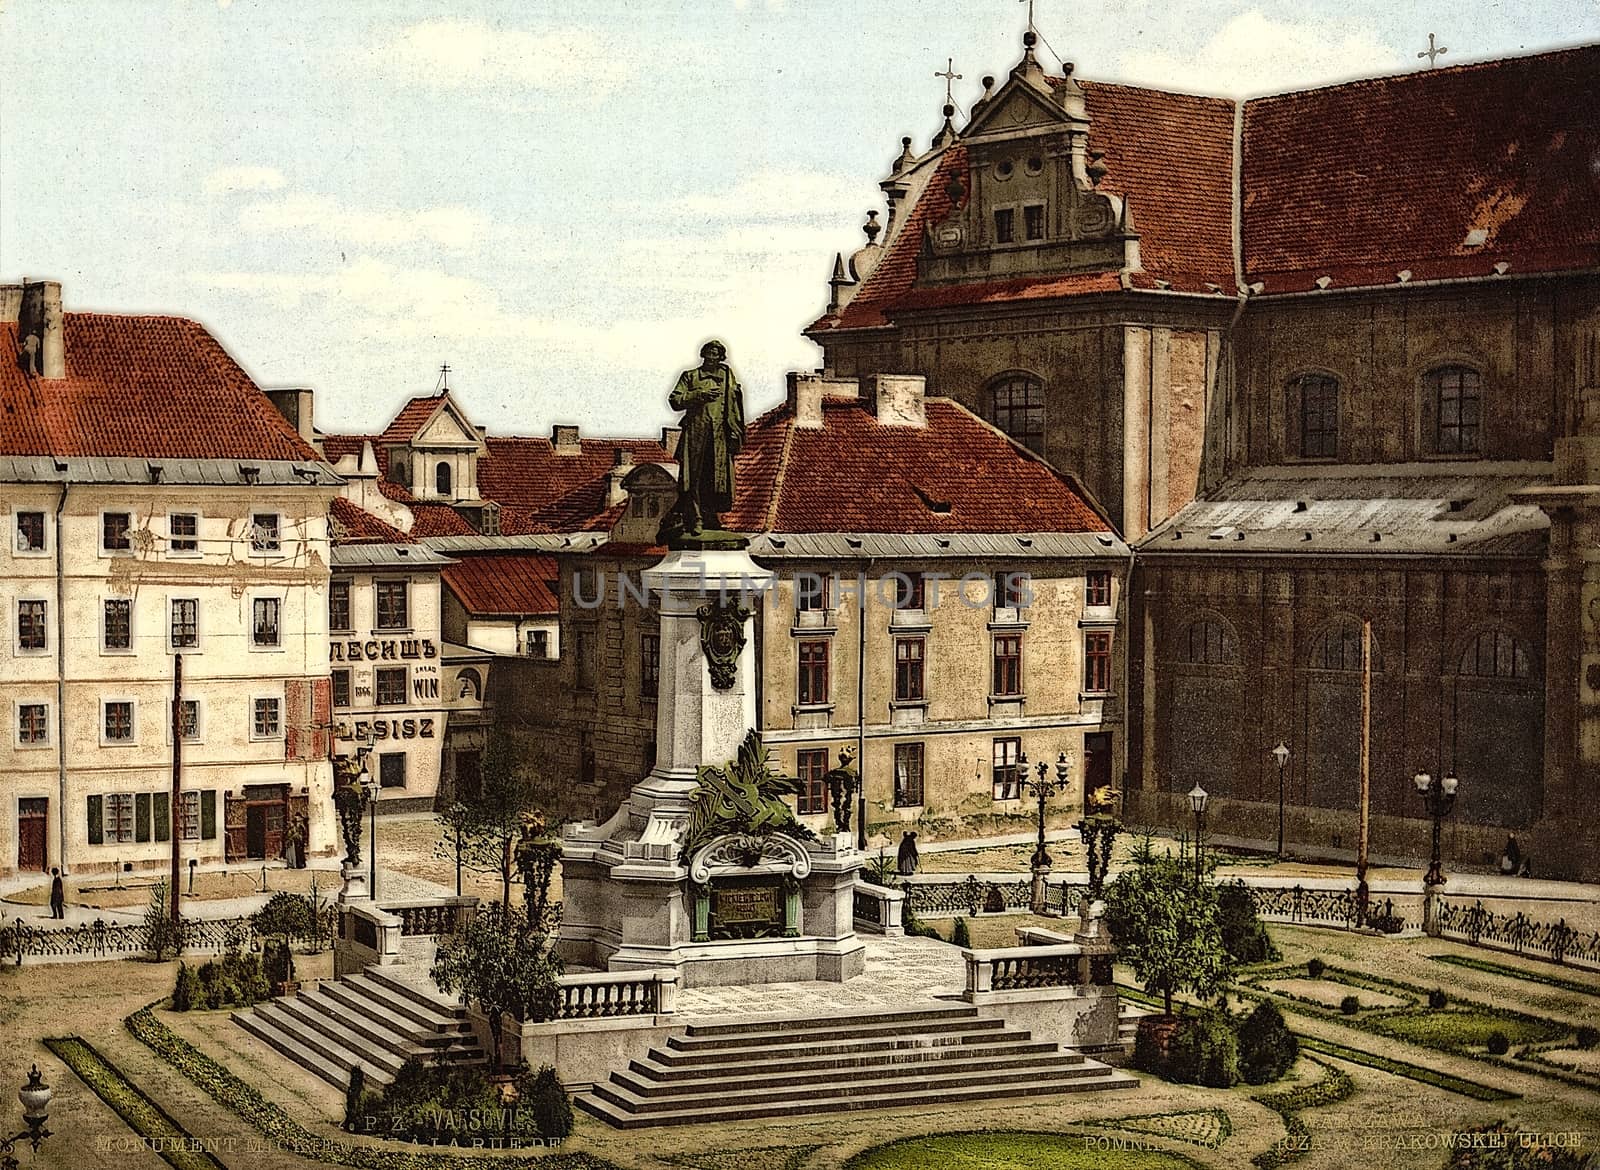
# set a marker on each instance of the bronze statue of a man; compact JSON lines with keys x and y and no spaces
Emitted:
{"x":713,"y":434}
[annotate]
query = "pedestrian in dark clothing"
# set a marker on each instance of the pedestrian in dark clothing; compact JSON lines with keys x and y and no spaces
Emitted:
{"x":907,"y":859}
{"x":58,"y":895}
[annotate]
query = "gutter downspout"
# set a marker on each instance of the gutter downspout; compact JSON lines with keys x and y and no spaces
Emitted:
{"x":61,"y":684}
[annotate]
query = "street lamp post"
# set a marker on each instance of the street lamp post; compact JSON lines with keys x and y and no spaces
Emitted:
{"x":1439,"y":798}
{"x":1043,"y":788}
{"x":35,"y":1097}
{"x":1280,"y":756}
{"x":1197,"y":802}
{"x":370,"y":787}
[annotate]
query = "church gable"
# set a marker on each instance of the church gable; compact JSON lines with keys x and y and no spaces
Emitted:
{"x":447,"y":428}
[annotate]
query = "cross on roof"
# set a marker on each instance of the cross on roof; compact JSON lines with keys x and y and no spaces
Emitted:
{"x":950,"y":78}
{"x":444,"y":376}
{"x":1433,"y":52}
{"x":1029,"y":3}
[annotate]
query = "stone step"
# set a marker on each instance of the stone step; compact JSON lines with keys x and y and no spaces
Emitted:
{"x":850,"y":1058}
{"x":427,"y":996}
{"x":822,"y":1032}
{"x":358,"y":1000}
{"x":343,"y":1029}
{"x":335,"y":1072}
{"x":347,"y":1051}
{"x":402,"y":1003}
{"x":750,"y":1082}
{"x":676,"y":1057}
{"x":920,"y":1095}
{"x":816,"y":1023}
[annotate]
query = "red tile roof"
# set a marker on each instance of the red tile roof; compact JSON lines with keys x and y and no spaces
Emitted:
{"x":405,"y":425}
{"x":355,"y":525}
{"x":1358,"y":181}
{"x":140,"y":387}
{"x":1354,"y":182}
{"x":505,"y":584}
{"x":957,"y":474}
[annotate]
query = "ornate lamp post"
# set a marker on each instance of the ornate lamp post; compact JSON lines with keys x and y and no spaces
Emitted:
{"x":1043,"y":788}
{"x":369,"y":786}
{"x":1197,"y":802}
{"x":1438,"y":798}
{"x":35,"y":1097}
{"x":1280,"y":756}
{"x":1097,"y":831}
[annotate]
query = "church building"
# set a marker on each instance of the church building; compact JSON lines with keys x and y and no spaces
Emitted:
{"x":1331,"y":360}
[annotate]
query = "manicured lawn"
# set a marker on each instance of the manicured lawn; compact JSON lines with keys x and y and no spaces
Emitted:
{"x":1454,"y":1030}
{"x":1013,"y":1151}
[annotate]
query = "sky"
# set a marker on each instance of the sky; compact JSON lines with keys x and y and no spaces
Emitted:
{"x":559,"y":200}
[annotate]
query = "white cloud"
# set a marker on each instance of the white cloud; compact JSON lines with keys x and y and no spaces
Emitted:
{"x":450,"y":227}
{"x":472,"y":55}
{"x":1256,"y":54}
{"x":233,"y":180}
{"x":777,"y":194}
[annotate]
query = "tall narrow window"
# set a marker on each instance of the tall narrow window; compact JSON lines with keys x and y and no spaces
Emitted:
{"x":1097,"y":661}
{"x":1005,"y":225}
{"x":119,"y":816}
{"x":114,"y":528}
{"x":189,"y":715}
{"x":1097,"y":588}
{"x":118,"y":721}
{"x":812,"y":767}
{"x":441,"y":479}
{"x":538,"y":643}
{"x":117,"y":633}
{"x":189,"y":816}
{"x":264,"y":621}
{"x":810,"y":592}
{"x":1016,"y":406}
{"x":185,"y":632}
{"x":649,"y":665}
{"x":1007,"y":770}
{"x":908,"y":676}
{"x":33,"y":723}
{"x":1011,"y":589}
{"x":585,"y":660}
{"x":183,"y":532}
{"x":1457,"y":396}
{"x":812,"y":689}
{"x":1008,"y":664}
{"x":393,"y":607}
{"x":1318,"y":397}
{"x":339,"y":605}
{"x":910,"y":590}
{"x":1033,"y":221}
{"x":907,"y":774}
{"x":341,"y":687}
{"x":30,"y":531}
{"x":30,"y":625}
{"x":265,"y":718}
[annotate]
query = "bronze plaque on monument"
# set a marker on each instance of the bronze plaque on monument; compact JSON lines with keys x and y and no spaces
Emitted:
{"x":746,"y":909}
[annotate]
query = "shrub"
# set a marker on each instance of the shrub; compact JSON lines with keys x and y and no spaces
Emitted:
{"x":1350,"y":1005}
{"x":994,"y":902}
{"x":233,"y":980}
{"x":1315,"y":968}
{"x":186,"y":990}
{"x":1205,"y":1051}
{"x":1498,"y":1043}
{"x":962,"y":937}
{"x":163,"y":936}
{"x":1588,"y":1036}
{"x":1244,"y":936}
{"x":1267,"y":1049}
{"x":277,"y":962}
{"x":1436,"y":998}
{"x":285,"y":914}
{"x":353,"y":1094}
{"x":545,"y":1102}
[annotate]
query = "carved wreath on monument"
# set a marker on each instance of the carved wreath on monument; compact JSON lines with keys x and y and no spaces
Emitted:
{"x":742,"y":798}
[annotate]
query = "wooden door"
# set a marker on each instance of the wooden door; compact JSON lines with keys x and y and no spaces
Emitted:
{"x":275,"y":825}
{"x":1096,"y":764}
{"x":235,"y":815}
{"x":32,"y":816}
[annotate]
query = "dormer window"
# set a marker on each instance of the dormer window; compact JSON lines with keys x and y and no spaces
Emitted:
{"x":441,"y":479}
{"x":1005,"y":225}
{"x":1033,"y":221}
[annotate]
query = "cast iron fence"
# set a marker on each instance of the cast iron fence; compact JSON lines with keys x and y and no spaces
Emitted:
{"x":20,"y":939}
{"x":1519,"y":934}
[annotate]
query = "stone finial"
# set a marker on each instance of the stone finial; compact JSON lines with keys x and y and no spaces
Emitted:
{"x":1097,"y":167}
{"x":872,"y":227}
{"x":1029,"y":68}
{"x":907,"y":155}
{"x":947,"y":134}
{"x":838,"y":283}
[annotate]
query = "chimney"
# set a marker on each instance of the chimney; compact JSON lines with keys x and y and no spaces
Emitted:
{"x":564,"y":438}
{"x":295,"y":404}
{"x":806,"y":394}
{"x":899,"y":400}
{"x":669,"y":439}
{"x":621,"y":466}
{"x":39,"y":334}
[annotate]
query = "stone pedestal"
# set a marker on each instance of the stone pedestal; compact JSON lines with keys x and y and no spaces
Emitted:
{"x":629,"y":899}
{"x":355,"y":884}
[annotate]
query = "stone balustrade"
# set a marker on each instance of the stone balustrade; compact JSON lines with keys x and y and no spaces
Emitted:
{"x":1025,"y":968}
{"x":877,"y":909}
{"x":609,"y":994}
{"x":432,"y":916}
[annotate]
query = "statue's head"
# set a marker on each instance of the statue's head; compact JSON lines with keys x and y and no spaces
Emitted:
{"x":713,"y":351}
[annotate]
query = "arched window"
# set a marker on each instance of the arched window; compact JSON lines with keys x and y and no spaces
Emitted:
{"x":400,"y":471}
{"x":441,"y":479}
{"x":1315,"y":405}
{"x":470,"y":684}
{"x":1209,"y":643}
{"x":1456,"y":396}
{"x":1016,"y":406}
{"x":1339,"y":647}
{"x":1495,"y":654}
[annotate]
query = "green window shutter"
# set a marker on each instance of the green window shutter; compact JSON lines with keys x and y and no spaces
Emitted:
{"x":97,"y":821}
{"x":208,"y":814}
{"x":141,"y":816}
{"x":162,"y":812}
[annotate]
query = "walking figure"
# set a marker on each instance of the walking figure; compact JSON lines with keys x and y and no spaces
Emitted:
{"x":58,"y":894}
{"x":908,"y":860}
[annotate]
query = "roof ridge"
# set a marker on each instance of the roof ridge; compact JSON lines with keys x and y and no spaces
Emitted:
{"x":1419,"y":74}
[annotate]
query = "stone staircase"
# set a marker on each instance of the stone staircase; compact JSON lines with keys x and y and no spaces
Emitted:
{"x":769,"y":1068}
{"x":375,"y":1019}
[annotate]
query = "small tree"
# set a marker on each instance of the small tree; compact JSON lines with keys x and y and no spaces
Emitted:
{"x":456,"y":839}
{"x":502,"y":965}
{"x":164,"y":935}
{"x":1167,"y":929}
{"x":1267,"y":1049}
{"x":491,"y":822}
